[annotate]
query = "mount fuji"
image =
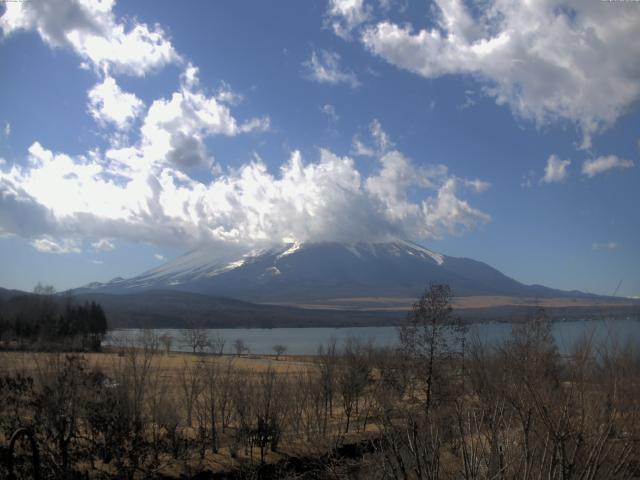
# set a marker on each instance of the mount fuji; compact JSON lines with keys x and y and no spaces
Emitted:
{"x":325,"y":273}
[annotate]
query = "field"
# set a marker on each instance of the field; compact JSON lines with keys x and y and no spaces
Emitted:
{"x":31,"y":363}
{"x":402,"y":304}
{"x":439,"y":407}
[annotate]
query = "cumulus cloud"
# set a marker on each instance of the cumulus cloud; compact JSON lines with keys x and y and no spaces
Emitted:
{"x":549,"y":60}
{"x":229,"y":96}
{"x":108,"y":104}
{"x":159,"y":257}
{"x":380,"y":142}
{"x":94,"y":196}
{"x":599,"y":165}
{"x":174,"y":129}
{"x":91,"y":29}
{"x":477,"y":185}
{"x":360,"y":149}
{"x":556,"y":170}
{"x":103,"y":245}
{"x":324,"y":67}
{"x":380,"y":136}
{"x":449,"y":212}
{"x":345,"y":15}
{"x":49,"y":245}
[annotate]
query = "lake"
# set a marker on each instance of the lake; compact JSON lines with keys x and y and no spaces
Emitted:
{"x":305,"y":341}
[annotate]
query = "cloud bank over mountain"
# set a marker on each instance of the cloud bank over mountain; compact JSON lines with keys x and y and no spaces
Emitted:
{"x":111,"y":195}
{"x":143,"y":187}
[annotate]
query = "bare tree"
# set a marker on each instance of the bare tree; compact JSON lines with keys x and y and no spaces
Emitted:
{"x":240,"y":346}
{"x":424,"y":335}
{"x":167,"y":341}
{"x":41,"y":289}
{"x":279,"y":350}
{"x":191,"y":385}
{"x":195,"y":338}
{"x":352,"y":378}
{"x":327,"y":362}
{"x":216,"y":344}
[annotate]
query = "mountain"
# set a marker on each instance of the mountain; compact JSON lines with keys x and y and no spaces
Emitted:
{"x":317,"y":273}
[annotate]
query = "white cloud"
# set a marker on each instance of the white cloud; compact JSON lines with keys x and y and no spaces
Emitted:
{"x":103,"y":245}
{"x":380,"y":136}
{"x":345,"y":15}
{"x":389,"y":186}
{"x":173,"y":130}
{"x":227,"y":95}
{"x":387,"y":5}
{"x":360,"y":149}
{"x":606,"y":246}
{"x":109,"y":104}
{"x":94,"y":196}
{"x":159,"y":257}
{"x":549,"y":60}
{"x":47,"y":244}
{"x":91,"y":29}
{"x":556,"y":170}
{"x":450,"y":213}
{"x":599,"y":165}
{"x":477,"y":185}
{"x":324,"y":67}
{"x":97,"y":262}
{"x":7,"y":129}
{"x":330,"y":111}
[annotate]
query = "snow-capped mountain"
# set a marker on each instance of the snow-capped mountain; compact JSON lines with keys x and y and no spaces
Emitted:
{"x":299,"y":273}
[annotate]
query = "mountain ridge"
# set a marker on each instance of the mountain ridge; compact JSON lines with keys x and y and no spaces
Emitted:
{"x":298,"y":273}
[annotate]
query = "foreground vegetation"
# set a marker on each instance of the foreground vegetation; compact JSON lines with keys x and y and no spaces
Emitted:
{"x":441,"y":406}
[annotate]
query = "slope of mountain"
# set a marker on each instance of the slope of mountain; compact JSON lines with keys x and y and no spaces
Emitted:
{"x":300,"y":273}
{"x":6,"y":294}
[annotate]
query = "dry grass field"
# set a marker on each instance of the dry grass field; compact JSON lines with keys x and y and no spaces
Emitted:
{"x":31,"y":363}
{"x":402,"y":304}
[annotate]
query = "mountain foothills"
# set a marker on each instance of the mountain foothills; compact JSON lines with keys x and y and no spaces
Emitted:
{"x":328,"y":284}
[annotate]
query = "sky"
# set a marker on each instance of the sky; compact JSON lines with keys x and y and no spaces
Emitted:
{"x":507,"y":132}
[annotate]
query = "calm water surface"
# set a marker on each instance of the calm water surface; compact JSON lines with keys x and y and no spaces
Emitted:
{"x":304,"y":341}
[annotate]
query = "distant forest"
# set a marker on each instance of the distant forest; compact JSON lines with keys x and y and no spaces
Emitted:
{"x":44,"y":320}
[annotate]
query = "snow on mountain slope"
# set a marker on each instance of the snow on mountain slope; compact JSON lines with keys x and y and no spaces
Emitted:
{"x":301,"y":272}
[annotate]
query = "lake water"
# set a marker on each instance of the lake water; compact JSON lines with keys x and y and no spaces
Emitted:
{"x":305,"y":341}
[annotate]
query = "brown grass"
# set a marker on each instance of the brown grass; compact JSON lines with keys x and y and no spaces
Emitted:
{"x":169,"y":365}
{"x":404,"y":303}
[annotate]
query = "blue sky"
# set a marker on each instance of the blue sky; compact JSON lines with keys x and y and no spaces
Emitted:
{"x":133,"y":132}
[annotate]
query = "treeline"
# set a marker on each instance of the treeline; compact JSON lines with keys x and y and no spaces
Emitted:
{"x":44,"y":320}
{"x":442,"y":406}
